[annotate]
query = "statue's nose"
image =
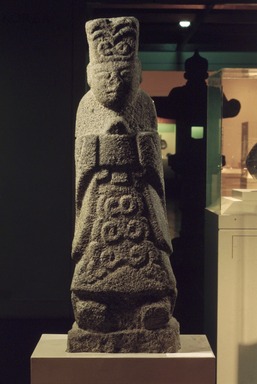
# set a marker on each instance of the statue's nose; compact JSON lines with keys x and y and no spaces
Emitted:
{"x":115,"y":79}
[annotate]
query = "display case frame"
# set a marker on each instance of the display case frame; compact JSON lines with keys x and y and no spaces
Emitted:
{"x":231,"y":134}
{"x":231,"y":225}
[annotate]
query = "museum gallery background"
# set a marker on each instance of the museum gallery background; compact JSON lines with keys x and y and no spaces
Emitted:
{"x":42,"y":79}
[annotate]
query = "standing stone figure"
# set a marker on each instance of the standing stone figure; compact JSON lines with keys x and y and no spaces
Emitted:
{"x":123,"y":288}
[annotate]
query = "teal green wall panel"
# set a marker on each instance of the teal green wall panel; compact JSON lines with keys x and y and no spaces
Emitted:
{"x":174,"y":61}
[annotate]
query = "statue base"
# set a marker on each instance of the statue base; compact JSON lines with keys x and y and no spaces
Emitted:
{"x":51,"y":364}
{"x":127,"y":341}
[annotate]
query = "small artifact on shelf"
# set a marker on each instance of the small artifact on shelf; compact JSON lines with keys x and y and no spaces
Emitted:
{"x":251,"y":162}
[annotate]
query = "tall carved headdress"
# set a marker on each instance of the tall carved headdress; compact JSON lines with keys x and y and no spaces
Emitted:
{"x":114,"y":39}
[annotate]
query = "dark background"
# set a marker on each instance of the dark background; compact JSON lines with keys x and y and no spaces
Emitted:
{"x":42,"y":78}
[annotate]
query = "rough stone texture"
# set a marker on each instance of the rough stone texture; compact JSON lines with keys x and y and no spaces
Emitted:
{"x":123,"y":288}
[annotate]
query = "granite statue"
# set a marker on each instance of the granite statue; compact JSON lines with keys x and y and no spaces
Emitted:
{"x":123,"y":288}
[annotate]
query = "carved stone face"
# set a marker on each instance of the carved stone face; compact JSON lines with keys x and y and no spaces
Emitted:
{"x":114,"y":84}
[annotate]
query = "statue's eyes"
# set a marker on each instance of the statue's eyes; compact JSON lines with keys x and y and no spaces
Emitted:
{"x":105,"y":48}
{"x":123,"y":48}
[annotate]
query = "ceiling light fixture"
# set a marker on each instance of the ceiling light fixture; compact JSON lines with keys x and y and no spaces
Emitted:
{"x":184,"y":23}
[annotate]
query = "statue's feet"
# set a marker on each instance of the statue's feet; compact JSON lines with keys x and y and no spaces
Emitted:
{"x":100,"y":317}
{"x":94,"y":316}
{"x":90,"y":315}
{"x":155,"y":315}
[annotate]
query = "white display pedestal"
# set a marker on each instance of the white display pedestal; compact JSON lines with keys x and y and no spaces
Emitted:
{"x":231,"y":286}
{"x":193,"y":364}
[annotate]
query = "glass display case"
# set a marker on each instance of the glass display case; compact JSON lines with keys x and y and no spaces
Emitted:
{"x":232,"y":133}
{"x":231,"y":224}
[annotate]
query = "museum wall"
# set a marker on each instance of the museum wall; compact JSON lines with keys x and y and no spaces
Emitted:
{"x":42,"y":69}
{"x":241,"y":89}
{"x":159,"y":83}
